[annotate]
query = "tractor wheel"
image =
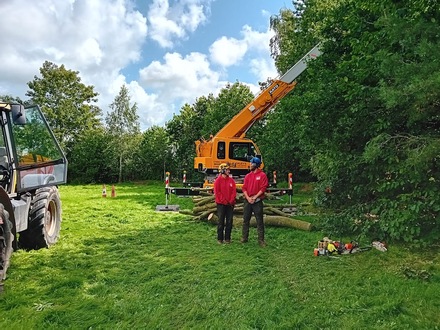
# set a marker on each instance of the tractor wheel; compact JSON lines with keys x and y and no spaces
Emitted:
{"x":6,"y":239}
{"x":44,"y":220}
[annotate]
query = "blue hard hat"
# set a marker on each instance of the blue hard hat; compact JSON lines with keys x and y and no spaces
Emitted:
{"x":256,"y":161}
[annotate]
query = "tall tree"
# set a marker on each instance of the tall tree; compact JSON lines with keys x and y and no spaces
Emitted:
{"x":65,"y":101}
{"x":92,"y":158}
{"x":184,"y":129}
{"x":154,"y":156}
{"x":368,"y":111}
{"x":123,"y":126}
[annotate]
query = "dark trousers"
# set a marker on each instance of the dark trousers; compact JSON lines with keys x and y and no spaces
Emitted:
{"x":224,"y":227}
{"x":257,"y":209}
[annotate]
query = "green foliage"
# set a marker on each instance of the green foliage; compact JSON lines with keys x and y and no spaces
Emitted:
{"x":122,"y":118}
{"x":66,"y":103}
{"x":365,"y":113}
{"x":289,"y":155}
{"x":11,"y":99}
{"x":183,"y":130}
{"x":92,"y":159}
{"x":154,"y":156}
{"x":405,"y":176}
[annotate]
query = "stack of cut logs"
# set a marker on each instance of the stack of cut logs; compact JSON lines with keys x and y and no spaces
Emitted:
{"x":275,"y":215}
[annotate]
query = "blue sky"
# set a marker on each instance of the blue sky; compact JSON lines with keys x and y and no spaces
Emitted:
{"x":167,"y":52}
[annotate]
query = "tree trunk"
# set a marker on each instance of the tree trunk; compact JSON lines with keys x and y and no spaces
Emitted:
{"x":120,"y":169}
{"x":276,"y":211}
{"x":269,"y":220}
{"x":200,"y":209}
{"x":205,"y":200}
{"x":186,"y":212}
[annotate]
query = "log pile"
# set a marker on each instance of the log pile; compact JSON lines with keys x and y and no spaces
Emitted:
{"x":275,"y":215}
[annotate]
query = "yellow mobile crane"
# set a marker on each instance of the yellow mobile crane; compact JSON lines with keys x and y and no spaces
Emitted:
{"x":230,"y":145}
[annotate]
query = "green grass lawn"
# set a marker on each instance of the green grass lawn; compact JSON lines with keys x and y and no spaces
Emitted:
{"x":119,"y":264}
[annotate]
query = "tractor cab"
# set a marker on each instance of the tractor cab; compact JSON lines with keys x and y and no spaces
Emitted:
{"x":30,"y":156}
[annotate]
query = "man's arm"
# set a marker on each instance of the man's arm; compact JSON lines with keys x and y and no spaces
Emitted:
{"x":264,"y":183}
{"x":244,"y":190}
{"x":217,"y":191}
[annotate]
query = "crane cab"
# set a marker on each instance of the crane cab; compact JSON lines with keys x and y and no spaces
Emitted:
{"x":235,"y":151}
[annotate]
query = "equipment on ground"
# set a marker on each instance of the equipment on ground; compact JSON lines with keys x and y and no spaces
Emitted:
{"x":230,"y":145}
{"x":32,"y":165}
{"x":328,"y":247}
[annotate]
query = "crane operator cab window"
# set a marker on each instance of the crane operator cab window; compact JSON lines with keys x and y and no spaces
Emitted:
{"x":38,"y":156}
{"x":242,"y":151}
{"x":221,"y":150}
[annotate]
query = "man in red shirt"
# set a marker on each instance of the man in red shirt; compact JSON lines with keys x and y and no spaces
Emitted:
{"x":225,"y":193}
{"x":254,"y":187}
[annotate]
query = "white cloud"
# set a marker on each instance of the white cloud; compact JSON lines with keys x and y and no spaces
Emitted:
{"x":103,"y":40}
{"x":163,"y":29}
{"x":170,"y":23}
{"x":263,"y":69}
{"x":255,"y":40}
{"x":95,"y":38}
{"x":151,"y":110}
{"x":179,"y":80}
{"x":253,"y":47}
{"x":228,"y":51}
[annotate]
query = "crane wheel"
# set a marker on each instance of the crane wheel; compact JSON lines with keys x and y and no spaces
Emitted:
{"x":44,"y":220}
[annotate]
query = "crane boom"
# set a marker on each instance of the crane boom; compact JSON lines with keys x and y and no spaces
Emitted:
{"x":266,"y":99}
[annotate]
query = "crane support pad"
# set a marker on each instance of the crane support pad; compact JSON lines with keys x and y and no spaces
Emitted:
{"x":174,"y":208}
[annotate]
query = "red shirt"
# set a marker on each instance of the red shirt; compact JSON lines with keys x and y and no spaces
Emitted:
{"x":254,"y":182}
{"x":224,"y":190}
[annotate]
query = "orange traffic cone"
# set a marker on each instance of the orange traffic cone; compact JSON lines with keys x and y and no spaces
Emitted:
{"x":113,"y":191}
{"x":104,"y":191}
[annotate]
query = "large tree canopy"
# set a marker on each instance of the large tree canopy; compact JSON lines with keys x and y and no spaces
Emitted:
{"x":154,"y":156}
{"x":366,"y":113}
{"x":65,"y":101}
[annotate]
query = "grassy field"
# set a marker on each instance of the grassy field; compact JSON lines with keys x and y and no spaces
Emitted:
{"x":119,"y":264}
